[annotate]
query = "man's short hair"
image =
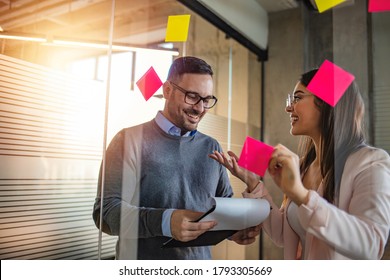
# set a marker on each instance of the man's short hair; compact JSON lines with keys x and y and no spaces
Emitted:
{"x":188,"y":65}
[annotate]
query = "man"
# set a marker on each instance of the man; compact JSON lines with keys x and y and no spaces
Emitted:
{"x":158,"y":177}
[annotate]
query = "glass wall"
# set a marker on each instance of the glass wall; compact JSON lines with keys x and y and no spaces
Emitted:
{"x":68,"y":85}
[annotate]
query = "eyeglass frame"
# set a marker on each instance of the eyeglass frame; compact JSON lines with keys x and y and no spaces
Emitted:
{"x":186,"y":92}
{"x":291,"y":96}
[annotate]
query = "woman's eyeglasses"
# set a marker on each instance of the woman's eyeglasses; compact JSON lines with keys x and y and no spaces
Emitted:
{"x":193,"y":98}
{"x":293,"y":98}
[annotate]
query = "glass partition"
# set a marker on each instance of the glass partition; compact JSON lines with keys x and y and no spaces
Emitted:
{"x":68,"y":85}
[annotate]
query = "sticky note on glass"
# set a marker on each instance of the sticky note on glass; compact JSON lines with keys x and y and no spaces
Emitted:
{"x":255,"y":156}
{"x":330,"y":82}
{"x":177,"y":28}
{"x":323,"y":5}
{"x":378,"y":6}
{"x":149,"y":83}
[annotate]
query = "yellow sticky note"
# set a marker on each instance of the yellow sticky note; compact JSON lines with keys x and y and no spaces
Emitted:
{"x":323,"y":5}
{"x":177,"y":28}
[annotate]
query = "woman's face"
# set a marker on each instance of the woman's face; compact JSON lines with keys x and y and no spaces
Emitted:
{"x":304,"y":114}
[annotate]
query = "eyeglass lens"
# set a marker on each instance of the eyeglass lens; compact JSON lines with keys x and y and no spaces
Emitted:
{"x":289,"y":100}
{"x":193,"y":99}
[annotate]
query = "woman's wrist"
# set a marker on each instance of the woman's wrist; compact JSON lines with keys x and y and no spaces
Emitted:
{"x":302,"y":197}
{"x":253,"y":184}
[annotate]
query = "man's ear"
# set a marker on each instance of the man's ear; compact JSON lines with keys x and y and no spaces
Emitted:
{"x":167,"y":89}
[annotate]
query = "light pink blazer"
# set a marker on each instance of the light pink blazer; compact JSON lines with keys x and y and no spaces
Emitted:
{"x":357,"y":228}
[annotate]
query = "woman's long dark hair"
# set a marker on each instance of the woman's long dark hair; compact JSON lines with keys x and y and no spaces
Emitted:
{"x":341,"y":129}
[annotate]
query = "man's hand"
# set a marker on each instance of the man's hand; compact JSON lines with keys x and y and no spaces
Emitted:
{"x":246,"y":236}
{"x":184,"y":229}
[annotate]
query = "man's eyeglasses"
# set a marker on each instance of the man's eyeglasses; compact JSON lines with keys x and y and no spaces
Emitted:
{"x":193,"y":98}
{"x":293,"y":98}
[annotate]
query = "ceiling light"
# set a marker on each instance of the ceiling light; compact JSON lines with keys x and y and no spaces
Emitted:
{"x":101,"y":46}
{"x":75,"y":44}
{"x":22,"y":37}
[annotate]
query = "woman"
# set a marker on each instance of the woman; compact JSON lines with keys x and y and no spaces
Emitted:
{"x":337,"y":194}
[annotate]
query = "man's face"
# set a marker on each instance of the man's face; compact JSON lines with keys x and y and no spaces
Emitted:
{"x":183,"y":115}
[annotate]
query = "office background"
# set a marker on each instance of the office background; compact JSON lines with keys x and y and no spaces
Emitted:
{"x":60,"y":59}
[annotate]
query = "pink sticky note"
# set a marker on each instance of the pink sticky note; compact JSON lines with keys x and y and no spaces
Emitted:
{"x":255,"y":156}
{"x":330,"y":82}
{"x":378,"y":6}
{"x":149,"y":83}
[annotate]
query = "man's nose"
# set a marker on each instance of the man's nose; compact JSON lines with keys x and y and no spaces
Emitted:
{"x":199,"y":106}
